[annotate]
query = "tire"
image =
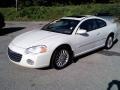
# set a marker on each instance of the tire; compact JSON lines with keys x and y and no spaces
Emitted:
{"x":109,"y":42}
{"x":61,"y":58}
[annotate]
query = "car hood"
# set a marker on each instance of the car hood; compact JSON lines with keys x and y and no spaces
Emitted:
{"x":34,"y":37}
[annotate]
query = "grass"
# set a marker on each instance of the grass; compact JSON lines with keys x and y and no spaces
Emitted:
{"x":36,"y":13}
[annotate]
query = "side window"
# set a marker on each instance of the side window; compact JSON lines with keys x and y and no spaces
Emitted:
{"x":101,"y":23}
{"x":89,"y":25}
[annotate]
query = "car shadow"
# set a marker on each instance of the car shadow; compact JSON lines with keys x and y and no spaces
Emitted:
{"x":99,"y":51}
{"x":75,"y":59}
{"x":45,"y":68}
{"x":109,"y":53}
{"x":113,"y":83}
{"x":9,"y":30}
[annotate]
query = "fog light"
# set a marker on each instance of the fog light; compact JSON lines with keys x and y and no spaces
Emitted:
{"x":29,"y":61}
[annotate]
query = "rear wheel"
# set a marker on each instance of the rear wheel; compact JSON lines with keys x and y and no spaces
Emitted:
{"x":61,"y":58}
{"x":109,"y":42}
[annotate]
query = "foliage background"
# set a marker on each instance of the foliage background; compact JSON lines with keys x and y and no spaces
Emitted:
{"x":24,"y":3}
{"x":35,"y":10}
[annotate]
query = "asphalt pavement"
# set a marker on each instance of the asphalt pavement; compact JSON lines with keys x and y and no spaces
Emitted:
{"x":99,"y":70}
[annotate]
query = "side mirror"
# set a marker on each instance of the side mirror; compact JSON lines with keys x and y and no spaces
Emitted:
{"x":81,"y":31}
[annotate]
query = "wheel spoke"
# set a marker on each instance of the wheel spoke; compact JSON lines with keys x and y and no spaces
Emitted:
{"x":62,"y":58}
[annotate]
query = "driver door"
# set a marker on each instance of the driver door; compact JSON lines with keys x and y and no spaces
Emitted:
{"x":86,"y":42}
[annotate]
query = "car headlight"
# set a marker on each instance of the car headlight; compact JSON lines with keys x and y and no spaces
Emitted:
{"x":36,"y":49}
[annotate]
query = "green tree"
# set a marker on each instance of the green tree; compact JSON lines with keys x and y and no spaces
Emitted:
{"x":115,"y":1}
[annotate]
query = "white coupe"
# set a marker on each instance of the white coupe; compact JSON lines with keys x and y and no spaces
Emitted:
{"x":57,"y":42}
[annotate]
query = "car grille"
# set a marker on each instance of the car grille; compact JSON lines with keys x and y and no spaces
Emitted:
{"x":14,"y":56}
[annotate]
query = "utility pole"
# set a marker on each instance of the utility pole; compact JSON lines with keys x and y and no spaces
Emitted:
{"x":16,"y":5}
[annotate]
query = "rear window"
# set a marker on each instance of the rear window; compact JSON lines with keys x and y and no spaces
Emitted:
{"x":101,"y":23}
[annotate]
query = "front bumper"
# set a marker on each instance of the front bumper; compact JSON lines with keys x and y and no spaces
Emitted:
{"x":30,"y":60}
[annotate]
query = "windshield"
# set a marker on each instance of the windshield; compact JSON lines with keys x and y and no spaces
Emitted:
{"x":65,"y":26}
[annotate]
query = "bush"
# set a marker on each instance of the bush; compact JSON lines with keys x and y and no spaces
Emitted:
{"x":37,"y":13}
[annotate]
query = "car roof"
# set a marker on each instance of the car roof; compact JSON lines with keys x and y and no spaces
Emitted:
{"x":79,"y":17}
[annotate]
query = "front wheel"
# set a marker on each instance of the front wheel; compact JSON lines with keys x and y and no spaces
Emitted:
{"x":61,"y":58}
{"x":109,"y":42}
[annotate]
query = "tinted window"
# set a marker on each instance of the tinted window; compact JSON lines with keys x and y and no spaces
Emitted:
{"x":89,"y":25}
{"x":101,"y":23}
{"x":65,"y":26}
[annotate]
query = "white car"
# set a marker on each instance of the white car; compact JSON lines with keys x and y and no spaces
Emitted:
{"x":57,"y":42}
